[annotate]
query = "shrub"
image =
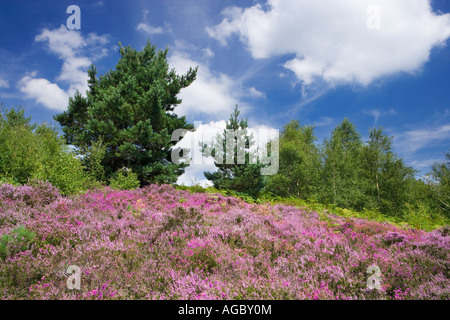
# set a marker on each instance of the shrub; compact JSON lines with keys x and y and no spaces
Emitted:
{"x":58,"y":164}
{"x":161,"y":243}
{"x":124,"y":179}
{"x":36,"y":193}
{"x":16,"y":241}
{"x":37,"y":152}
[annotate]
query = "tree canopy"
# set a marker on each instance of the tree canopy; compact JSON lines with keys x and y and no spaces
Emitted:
{"x":299,"y":162}
{"x":29,"y":151}
{"x":128,"y":116}
{"x":239,"y":168}
{"x":441,"y":184}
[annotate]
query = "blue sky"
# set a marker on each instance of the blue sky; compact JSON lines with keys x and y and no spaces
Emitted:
{"x":379,"y":63}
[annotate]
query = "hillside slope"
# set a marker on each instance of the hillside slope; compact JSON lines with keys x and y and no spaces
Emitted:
{"x":161,"y":243}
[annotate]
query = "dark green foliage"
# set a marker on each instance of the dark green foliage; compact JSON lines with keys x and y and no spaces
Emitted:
{"x":130,"y":110}
{"x":124,"y":180}
{"x":231,"y":175}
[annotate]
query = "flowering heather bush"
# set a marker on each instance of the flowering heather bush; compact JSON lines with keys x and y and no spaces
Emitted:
{"x":161,"y":243}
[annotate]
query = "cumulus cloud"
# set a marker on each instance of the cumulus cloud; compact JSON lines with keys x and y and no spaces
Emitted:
{"x":44,"y":92}
{"x":77,"y":53}
{"x":206,"y":133}
{"x":62,"y":41}
{"x":333,"y":41}
{"x":211,"y":94}
{"x":193,"y":175}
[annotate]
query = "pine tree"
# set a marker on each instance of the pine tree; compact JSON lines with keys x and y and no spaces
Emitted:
{"x":130,"y":110}
{"x":239,"y":168}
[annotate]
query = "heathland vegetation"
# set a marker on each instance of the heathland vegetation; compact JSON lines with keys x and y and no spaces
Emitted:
{"x":102,"y":195}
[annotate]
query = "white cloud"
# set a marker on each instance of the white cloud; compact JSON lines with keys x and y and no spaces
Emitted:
{"x":62,"y":41}
{"x":77,"y":53}
{"x":414,"y":140}
{"x":149,"y":29}
{"x":193,"y":175}
{"x":202,"y":133}
{"x":206,"y":133}
{"x":256,"y":93}
{"x":376,"y":114}
{"x":323,"y":122}
{"x":308,"y":96}
{"x":424,"y":164}
{"x":211,"y":94}
{"x":207,"y":53}
{"x":4,"y":83}
{"x":331,"y":40}
{"x":74,"y":72}
{"x":44,"y":92}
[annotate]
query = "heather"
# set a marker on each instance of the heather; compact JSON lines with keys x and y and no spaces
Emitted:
{"x":158,"y":242}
